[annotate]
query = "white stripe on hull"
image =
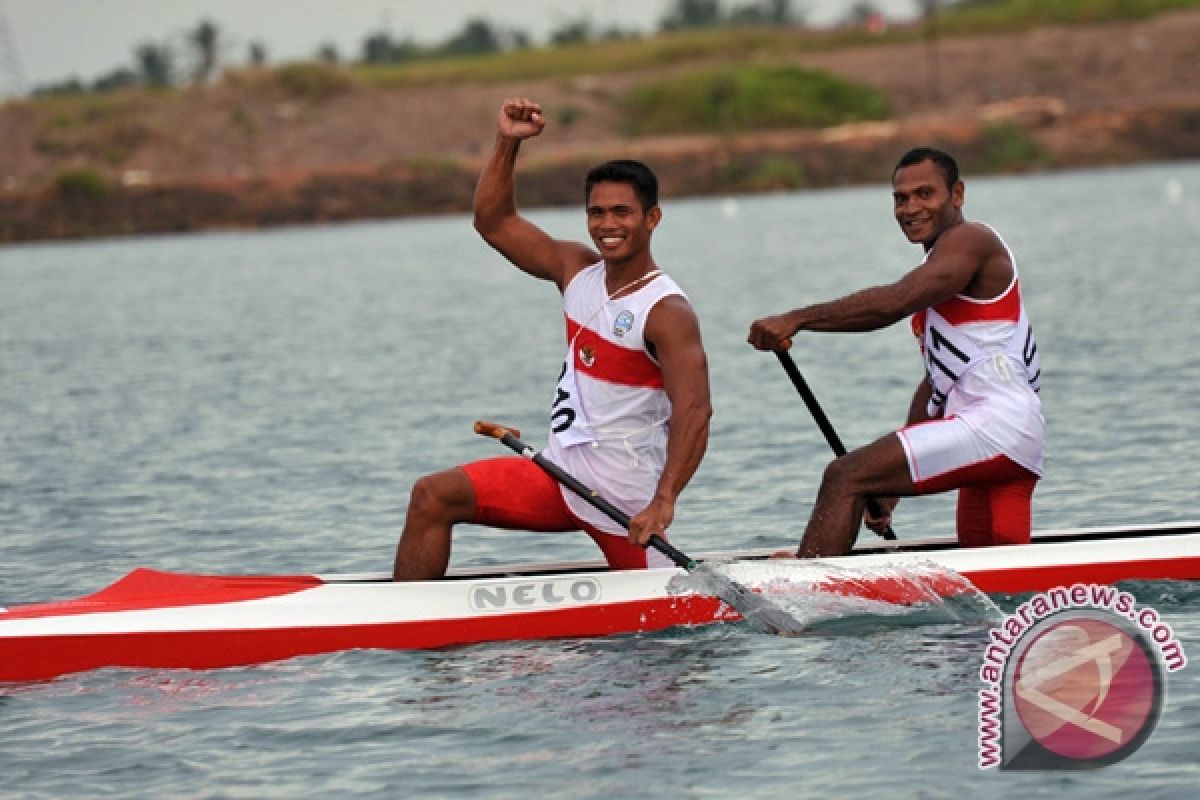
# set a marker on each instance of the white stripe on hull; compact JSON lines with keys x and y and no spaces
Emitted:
{"x":339,"y":603}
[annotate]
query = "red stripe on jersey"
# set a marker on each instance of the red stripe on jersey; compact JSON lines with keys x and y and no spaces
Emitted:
{"x":918,"y":327}
{"x":611,"y":362}
{"x":1005,"y":308}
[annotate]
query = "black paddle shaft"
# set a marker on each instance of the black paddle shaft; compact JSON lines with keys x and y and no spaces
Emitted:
{"x":756,"y":609}
{"x":509,"y":438}
{"x":818,"y":413}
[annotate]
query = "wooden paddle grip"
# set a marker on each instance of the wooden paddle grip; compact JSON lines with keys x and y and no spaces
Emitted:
{"x":495,"y":430}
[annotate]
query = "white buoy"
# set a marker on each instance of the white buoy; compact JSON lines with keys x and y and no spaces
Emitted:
{"x":1174,"y":191}
{"x":729,"y":208}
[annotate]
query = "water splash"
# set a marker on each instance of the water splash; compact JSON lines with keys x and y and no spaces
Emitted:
{"x":758,"y":609}
{"x":828,"y":598}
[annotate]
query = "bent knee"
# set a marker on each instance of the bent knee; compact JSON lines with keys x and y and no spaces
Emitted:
{"x":878,"y":468}
{"x":840,"y":474}
{"x":444,"y":495}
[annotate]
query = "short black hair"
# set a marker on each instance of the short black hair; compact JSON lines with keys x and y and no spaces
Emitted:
{"x":624,"y":170}
{"x":941,"y":159}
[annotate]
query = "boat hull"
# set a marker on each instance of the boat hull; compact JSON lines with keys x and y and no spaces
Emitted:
{"x":152,"y":619}
{"x":43,"y":657}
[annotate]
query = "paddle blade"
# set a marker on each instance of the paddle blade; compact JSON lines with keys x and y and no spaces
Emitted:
{"x":762,"y":614}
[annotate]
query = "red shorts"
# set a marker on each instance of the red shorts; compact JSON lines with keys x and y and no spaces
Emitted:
{"x":514,"y":493}
{"x":995,"y":501}
{"x":995,"y":493}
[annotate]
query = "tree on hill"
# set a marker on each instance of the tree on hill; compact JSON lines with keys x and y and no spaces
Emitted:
{"x":687,"y":14}
{"x":204,"y":41}
{"x":479,"y":37}
{"x":860,"y":13}
{"x":765,"y":12}
{"x":690,"y":14}
{"x":582,"y":30}
{"x":257,"y":54}
{"x":155,"y":64}
{"x":327,"y":53}
{"x":573,"y":31}
{"x":119,"y":78}
{"x":381,"y":48}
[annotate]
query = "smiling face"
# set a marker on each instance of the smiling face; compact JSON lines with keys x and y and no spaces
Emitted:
{"x":924,"y":205}
{"x":619,"y":226}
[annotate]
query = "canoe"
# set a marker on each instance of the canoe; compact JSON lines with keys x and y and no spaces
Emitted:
{"x":166,"y":620}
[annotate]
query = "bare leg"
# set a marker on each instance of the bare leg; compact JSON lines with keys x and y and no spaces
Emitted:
{"x":878,"y":469}
{"x":438,"y":502}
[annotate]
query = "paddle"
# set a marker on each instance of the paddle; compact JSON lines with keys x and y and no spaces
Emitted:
{"x":754,"y":608}
{"x":835,"y":442}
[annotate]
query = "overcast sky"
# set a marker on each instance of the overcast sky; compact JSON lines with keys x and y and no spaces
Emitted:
{"x":54,"y":40}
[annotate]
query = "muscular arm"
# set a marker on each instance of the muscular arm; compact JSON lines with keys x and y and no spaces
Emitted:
{"x":496,"y":218}
{"x":918,"y":409}
{"x":674,"y":332}
{"x":951,"y":267}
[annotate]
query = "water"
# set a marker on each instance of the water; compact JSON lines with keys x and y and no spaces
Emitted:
{"x":887,"y":595}
{"x":261,"y":402}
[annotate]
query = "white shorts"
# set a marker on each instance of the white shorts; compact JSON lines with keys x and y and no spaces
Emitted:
{"x":995,"y":493}
{"x":941,"y":448}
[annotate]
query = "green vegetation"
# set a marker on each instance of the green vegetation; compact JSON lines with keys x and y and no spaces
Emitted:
{"x":64,"y":111}
{"x":693,"y":31}
{"x":741,"y":42}
{"x":82,"y":183}
{"x":244,"y":121}
{"x":977,"y":16}
{"x":1007,"y":147}
{"x":103,"y":127}
{"x":762,"y":174}
{"x":593,"y":58}
{"x":730,"y":99}
{"x":312,"y":82}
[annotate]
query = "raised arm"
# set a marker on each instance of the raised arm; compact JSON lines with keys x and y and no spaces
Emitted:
{"x":952,"y":266}
{"x":674,"y":332}
{"x":520,"y":241}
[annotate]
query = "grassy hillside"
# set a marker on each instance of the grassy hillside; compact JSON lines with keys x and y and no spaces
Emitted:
{"x":762,"y":109}
{"x":733,"y":98}
{"x":733,"y":44}
{"x":1017,"y":15}
{"x":733,"y":69}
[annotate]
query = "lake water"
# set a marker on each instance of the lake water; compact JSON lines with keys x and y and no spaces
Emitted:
{"x":261,"y":402}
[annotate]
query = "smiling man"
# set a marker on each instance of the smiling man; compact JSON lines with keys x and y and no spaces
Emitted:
{"x":631,"y":410}
{"x":975,"y":423}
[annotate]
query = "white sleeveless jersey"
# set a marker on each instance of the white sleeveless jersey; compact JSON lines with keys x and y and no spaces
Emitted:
{"x":982,"y":364}
{"x":609,"y":416}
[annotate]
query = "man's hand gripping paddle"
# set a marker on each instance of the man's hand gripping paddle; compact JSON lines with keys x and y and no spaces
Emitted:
{"x":756,"y":609}
{"x":835,"y":442}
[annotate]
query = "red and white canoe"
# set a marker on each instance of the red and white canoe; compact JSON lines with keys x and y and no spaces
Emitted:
{"x":152,"y":619}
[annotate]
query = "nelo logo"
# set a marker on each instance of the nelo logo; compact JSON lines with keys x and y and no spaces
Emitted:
{"x":523,"y":594}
